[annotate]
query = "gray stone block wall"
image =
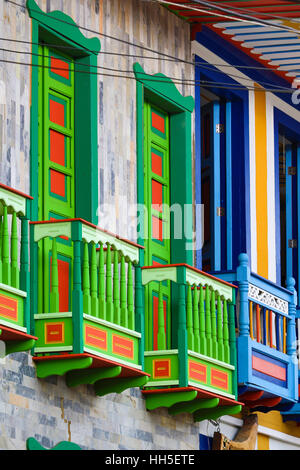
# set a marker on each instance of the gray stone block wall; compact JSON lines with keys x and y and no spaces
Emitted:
{"x":51,"y":412}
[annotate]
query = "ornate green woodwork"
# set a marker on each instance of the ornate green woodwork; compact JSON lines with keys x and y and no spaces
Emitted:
{"x":60,"y":366}
{"x":156,"y":400}
{"x":92,"y":342}
{"x":90,"y":376}
{"x":201,"y":415}
{"x":33,"y":444}
{"x":195,"y":405}
{"x":15,"y":210}
{"x":118,"y":386}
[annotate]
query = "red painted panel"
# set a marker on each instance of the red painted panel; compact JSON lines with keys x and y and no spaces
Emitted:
{"x":62,"y":66}
{"x":57,"y":113}
{"x":161,"y":368}
{"x":268,"y":368}
{"x":96,"y":337}
{"x":156,"y":164}
{"x":8,"y":307}
{"x":219,"y":379}
{"x":157,"y":195}
{"x":57,"y":147}
{"x":54,"y":332}
{"x":198,"y":371}
{"x":58,"y":183}
{"x":155,"y":320}
{"x":122,"y":346}
{"x":157,"y":228}
{"x":158,"y":122}
{"x":63,"y":284}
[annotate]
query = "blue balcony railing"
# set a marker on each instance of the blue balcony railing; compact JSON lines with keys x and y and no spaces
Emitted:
{"x":266,"y":340}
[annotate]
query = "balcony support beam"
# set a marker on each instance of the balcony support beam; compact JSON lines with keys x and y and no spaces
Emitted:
{"x":157,"y":400}
{"x":193,"y":406}
{"x":90,"y":376}
{"x":216,"y":413}
{"x":118,"y":385}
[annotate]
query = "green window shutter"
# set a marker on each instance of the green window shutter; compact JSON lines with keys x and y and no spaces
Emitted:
{"x":157,"y":202}
{"x":56,"y":169}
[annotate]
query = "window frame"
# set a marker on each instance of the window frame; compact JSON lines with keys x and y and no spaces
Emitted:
{"x":58,"y":29}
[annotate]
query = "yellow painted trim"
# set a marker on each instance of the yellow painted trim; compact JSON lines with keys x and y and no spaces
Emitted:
{"x":263,"y":442}
{"x":261,"y":182}
{"x":273,"y":420}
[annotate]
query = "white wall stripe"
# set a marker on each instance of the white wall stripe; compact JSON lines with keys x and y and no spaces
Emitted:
{"x":252,"y":163}
{"x":271,"y":190}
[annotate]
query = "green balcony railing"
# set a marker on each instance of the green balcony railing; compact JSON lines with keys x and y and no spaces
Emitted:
{"x":92,"y":314}
{"x":14,"y":270}
{"x":200,"y":360}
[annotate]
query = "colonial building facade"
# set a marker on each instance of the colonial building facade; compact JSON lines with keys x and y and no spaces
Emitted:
{"x":149,"y":224}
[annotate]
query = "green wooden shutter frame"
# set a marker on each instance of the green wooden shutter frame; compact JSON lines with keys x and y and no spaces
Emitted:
{"x":59,"y":29}
{"x":155,"y":249}
{"x":161,"y":92}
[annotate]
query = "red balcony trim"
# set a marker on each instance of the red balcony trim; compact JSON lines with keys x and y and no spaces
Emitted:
{"x":12,"y":190}
{"x":98,"y":362}
{"x":10,"y":334}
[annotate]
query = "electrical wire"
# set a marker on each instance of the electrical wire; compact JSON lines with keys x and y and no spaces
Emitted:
{"x":152,"y":78}
{"x":121,"y":54}
{"x":121,"y":40}
{"x":131,"y":71}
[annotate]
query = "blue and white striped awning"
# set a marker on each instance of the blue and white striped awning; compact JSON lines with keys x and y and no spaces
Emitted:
{"x":277,"y":48}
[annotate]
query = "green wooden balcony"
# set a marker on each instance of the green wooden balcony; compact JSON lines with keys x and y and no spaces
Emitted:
{"x":193,"y":369}
{"x":14,"y":271}
{"x":88,"y":316}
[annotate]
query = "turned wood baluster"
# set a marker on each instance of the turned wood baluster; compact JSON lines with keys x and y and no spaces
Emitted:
{"x":202,"y":322}
{"x":130,"y":303}
{"x":161,"y":334}
{"x":54,"y":293}
{"x":214,"y":325}
{"x":86,"y":280}
{"x":109,"y":302}
{"x":123,"y":300}
{"x":220,"y":355}
{"x":189,"y":319}
{"x":15,"y":273}
{"x":208,"y":321}
{"x":117,"y":316}
{"x":6,"y":278}
{"x":226,"y":332}
{"x":196,"y":320}
{"x":101,"y":300}
{"x":94,"y":297}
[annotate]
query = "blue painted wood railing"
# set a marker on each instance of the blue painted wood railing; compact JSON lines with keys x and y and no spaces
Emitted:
{"x":267,"y":360}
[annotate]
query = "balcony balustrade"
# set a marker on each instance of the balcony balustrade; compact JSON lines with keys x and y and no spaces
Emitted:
{"x":266,"y":342}
{"x":89,"y":319}
{"x":197,"y":372}
{"x":15,"y":325}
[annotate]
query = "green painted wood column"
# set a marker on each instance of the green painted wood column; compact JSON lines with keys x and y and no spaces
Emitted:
{"x":77,"y":296}
{"x":140,"y":306}
{"x":182,"y":331}
{"x":24,"y":271}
